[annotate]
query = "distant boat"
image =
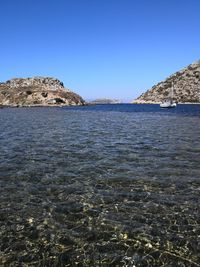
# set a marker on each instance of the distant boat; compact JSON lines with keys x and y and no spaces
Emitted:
{"x":169,"y":103}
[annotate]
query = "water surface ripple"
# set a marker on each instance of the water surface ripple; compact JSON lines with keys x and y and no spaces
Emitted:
{"x":112,"y":185}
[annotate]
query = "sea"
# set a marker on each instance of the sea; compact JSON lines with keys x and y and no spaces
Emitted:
{"x":100,"y":185}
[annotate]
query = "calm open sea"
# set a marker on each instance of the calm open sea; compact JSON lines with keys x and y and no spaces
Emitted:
{"x":105,"y":185}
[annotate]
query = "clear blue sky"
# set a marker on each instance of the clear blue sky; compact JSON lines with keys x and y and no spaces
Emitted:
{"x":99,"y":48}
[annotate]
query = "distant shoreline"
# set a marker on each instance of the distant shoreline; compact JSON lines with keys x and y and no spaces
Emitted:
{"x":39,"y":106}
{"x":87,"y":104}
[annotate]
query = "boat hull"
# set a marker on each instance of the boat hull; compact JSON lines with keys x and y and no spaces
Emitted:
{"x":168,"y":105}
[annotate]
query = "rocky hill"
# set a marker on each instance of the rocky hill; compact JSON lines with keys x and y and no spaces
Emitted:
{"x":186,"y":87}
{"x":37,"y":91}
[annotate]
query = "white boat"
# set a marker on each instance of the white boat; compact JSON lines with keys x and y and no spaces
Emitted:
{"x":169,"y":103}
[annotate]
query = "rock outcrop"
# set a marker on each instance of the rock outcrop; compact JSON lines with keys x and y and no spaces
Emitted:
{"x":37,"y":91}
{"x":186,"y":87}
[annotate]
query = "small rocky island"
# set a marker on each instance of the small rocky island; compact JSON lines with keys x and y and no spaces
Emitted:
{"x":186,"y":87}
{"x":37,"y":91}
{"x":100,"y":101}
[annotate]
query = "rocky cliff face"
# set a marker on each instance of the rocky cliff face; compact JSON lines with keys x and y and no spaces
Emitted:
{"x":186,"y":87}
{"x":37,"y":91}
